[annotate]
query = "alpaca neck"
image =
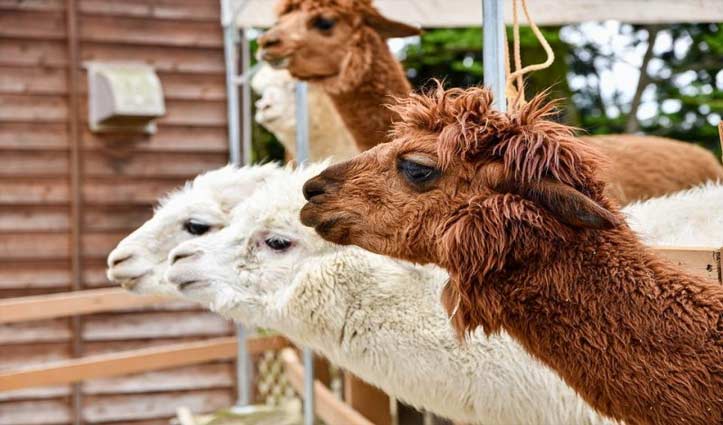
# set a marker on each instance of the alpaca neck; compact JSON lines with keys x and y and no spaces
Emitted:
{"x":634,"y":336}
{"x":363,"y":106}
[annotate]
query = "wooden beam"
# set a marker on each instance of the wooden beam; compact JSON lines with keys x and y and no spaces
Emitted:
{"x":368,"y":400}
{"x":705,"y":262}
{"x":72,"y":303}
{"x":330,"y":409}
{"x":133,"y":361}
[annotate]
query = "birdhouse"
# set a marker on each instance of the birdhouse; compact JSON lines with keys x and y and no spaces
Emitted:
{"x":124,"y":97}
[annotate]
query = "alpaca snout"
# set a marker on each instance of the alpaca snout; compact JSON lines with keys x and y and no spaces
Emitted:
{"x":119,"y":256}
{"x":181,"y":254}
{"x":314,"y":187}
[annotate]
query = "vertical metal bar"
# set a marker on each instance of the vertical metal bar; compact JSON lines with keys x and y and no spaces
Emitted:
{"x":244,"y":366}
{"x":302,"y":155}
{"x":76,"y":199}
{"x":232,"y":100}
{"x":493,"y":58}
{"x":246,"y":99}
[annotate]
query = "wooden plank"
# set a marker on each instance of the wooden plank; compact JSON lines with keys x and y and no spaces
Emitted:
{"x":14,"y":191}
{"x":195,"y":113}
{"x":181,"y":86}
{"x":163,"y":59}
{"x":207,"y":376}
{"x":174,"y":10}
{"x":33,"y":164}
{"x":32,"y":24}
{"x":327,"y":407}
{"x":149,"y":325}
{"x":32,"y":5}
{"x":705,"y":262}
{"x":33,"y":53}
{"x":150,"y":164}
{"x":44,"y":331}
{"x":34,"y":246}
{"x":71,"y":303}
{"x":33,"y":219}
{"x":188,"y":34}
{"x":57,"y":391}
{"x":167,"y":139}
{"x":22,"y":355}
{"x":45,"y":412}
{"x":34,"y":275}
{"x":117,"y":364}
{"x":36,"y":80}
{"x":33,"y":136}
{"x":126,"y":408}
{"x":368,"y":400}
{"x":122,"y":191}
{"x":114,"y":219}
{"x":36,"y":109}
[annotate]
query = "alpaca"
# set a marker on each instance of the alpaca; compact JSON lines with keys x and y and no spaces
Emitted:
{"x":690,"y":218}
{"x":340,"y":46}
{"x":511,"y":206}
{"x":276,"y":111}
{"x":357,"y":309}
{"x":201,"y":206}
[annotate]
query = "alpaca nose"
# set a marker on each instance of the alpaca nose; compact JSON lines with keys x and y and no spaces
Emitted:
{"x":179,"y":255}
{"x":268,"y":40}
{"x":314,"y":187}
{"x":117,"y":257}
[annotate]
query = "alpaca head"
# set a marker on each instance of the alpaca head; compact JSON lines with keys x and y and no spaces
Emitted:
{"x":202,"y":206}
{"x":275,"y":108}
{"x":463,"y":186}
{"x":249,"y":264}
{"x":328,"y":41}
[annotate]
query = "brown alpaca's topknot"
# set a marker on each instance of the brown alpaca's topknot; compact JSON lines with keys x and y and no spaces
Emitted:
{"x":350,"y":7}
{"x":529,"y":143}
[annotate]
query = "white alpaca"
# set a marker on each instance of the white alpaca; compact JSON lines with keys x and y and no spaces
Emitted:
{"x":203,"y":205}
{"x":379,"y":318}
{"x":689,"y":218}
{"x":276,"y":111}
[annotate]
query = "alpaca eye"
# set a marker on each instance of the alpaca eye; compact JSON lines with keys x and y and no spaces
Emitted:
{"x":324,"y":24}
{"x":417,"y":174}
{"x":196,"y":227}
{"x":277,"y":244}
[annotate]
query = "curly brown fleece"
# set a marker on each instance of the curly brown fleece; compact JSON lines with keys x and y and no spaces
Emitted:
{"x":519,"y":218}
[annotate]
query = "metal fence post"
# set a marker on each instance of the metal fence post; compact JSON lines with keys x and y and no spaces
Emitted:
{"x":493,"y":50}
{"x":302,"y":155}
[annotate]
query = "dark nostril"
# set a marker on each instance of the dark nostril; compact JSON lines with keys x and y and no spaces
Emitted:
{"x":181,"y":255}
{"x":267,"y":42}
{"x":313,"y":187}
{"x":117,"y":261}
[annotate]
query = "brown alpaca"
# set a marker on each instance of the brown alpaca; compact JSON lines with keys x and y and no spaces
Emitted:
{"x":341,"y":46}
{"x":511,"y":206}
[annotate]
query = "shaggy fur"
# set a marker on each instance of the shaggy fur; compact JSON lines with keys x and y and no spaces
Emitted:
{"x":689,"y":218}
{"x":379,"y":318}
{"x":276,"y":111}
{"x":514,"y":211}
{"x":351,"y":61}
{"x":140,"y":259}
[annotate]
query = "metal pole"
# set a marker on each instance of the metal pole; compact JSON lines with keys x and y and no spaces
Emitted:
{"x":244,"y":368}
{"x":493,"y":50}
{"x":246,"y":98}
{"x":302,"y":154}
{"x":232,"y":105}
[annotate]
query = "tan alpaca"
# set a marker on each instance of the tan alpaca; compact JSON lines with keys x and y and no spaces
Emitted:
{"x":512,"y":206}
{"x":340,"y":45}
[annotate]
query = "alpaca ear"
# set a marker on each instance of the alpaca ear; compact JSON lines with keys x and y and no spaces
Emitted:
{"x":570,"y":206}
{"x":388,"y":28}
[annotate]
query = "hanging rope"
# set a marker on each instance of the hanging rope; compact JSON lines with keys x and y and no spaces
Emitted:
{"x":515,"y":81}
